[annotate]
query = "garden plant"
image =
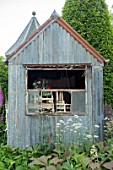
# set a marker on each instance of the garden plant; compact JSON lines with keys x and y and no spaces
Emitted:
{"x":85,"y":154}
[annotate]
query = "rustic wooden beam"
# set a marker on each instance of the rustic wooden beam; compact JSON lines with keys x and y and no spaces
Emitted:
{"x":56,"y":114}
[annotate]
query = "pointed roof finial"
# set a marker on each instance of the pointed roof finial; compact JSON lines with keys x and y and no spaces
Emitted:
{"x":33,"y":13}
{"x":28,"y":30}
{"x":55,"y":15}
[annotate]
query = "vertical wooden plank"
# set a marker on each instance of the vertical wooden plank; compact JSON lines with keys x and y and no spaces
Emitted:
{"x":60,"y":32}
{"x":88,"y":57}
{"x":41,"y":48}
{"x":100,"y":101}
{"x":101,"y":89}
{"x":50,"y":44}
{"x":33,"y":52}
{"x":12,"y":106}
{"x":37,"y":50}
{"x":45,"y":46}
{"x":66,"y":47}
{"x":72,"y":47}
{"x":89,"y":120}
{"x":9,"y":105}
{"x":55,"y":43}
{"x":98,"y":95}
{"x":17,"y":112}
{"x":28,"y":58}
{"x":24,"y":56}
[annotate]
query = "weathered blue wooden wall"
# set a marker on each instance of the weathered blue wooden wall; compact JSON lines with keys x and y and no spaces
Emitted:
{"x":52,"y":45}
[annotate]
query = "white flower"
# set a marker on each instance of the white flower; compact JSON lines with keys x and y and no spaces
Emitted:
{"x":89,"y":136}
{"x":78,"y":127}
{"x":75,"y":116}
{"x":57,"y":135}
{"x":79,"y":124}
{"x":93,"y":146}
{"x":95,"y":136}
{"x":67,"y":126}
{"x":75,"y":131}
{"x":105,"y":131}
{"x":71,"y":130}
{"x":61,"y":121}
{"x":106,"y":118}
{"x":97,"y":126}
{"x":74,"y":124}
{"x":70,"y":120}
{"x":58,"y":124}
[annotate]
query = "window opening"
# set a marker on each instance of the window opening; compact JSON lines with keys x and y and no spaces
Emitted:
{"x":55,"y":91}
{"x":56,"y":79}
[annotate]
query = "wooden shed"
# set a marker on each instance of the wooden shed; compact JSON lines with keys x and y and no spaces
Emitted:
{"x":54,"y":74}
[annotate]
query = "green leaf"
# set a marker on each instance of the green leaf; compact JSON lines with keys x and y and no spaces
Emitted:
{"x":32,"y":166}
{"x":50,"y":167}
{"x":67,"y":154}
{"x":44,"y":159}
{"x":55,"y":161}
{"x":37,"y":162}
{"x":29,"y":149}
{"x":11,"y":164}
{"x":2,"y":166}
{"x":108,"y":165}
{"x":94,"y":166}
{"x":20,"y":167}
{"x":42,"y":168}
{"x":68,"y":166}
{"x":85,"y":162}
{"x":78,"y":157}
{"x":59,"y":167}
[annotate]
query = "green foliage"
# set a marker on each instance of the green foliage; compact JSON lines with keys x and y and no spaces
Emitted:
{"x":91,"y":19}
{"x":4,"y":85}
{"x":111,"y":15}
{"x":3,"y":134}
{"x":4,"y":77}
{"x":99,"y":156}
{"x":108,"y":131}
{"x":58,"y":156}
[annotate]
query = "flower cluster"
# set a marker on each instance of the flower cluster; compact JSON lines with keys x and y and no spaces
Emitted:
{"x":74,"y":127}
{"x":94,"y":151}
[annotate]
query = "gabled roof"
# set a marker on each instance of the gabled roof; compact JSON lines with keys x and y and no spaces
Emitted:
{"x":70,"y":30}
{"x":29,"y":29}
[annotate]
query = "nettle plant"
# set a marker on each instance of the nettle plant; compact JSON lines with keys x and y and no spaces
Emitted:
{"x":74,"y":127}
